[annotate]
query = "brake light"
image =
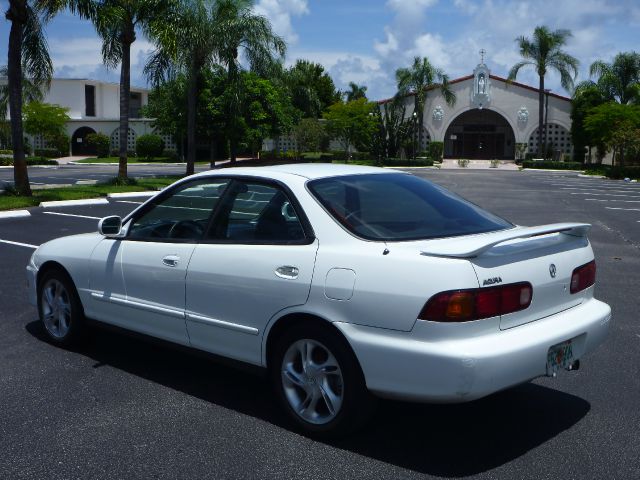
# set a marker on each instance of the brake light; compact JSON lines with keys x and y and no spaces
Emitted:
{"x":477,"y":303}
{"x":583,"y":277}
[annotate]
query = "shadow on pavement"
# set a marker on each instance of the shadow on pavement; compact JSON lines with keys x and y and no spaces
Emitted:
{"x":443,"y":440}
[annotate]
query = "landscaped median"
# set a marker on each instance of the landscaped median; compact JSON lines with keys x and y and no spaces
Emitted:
{"x":9,"y":201}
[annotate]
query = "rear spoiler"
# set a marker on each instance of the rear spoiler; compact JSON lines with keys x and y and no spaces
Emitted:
{"x":472,"y":246}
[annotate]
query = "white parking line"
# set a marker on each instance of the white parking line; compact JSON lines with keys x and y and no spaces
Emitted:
{"x":129,"y":201}
{"x":604,"y":194}
{"x":28,"y":245}
{"x":620,"y":208}
{"x":71,"y":215}
{"x":610,"y":200}
{"x":603,"y":189}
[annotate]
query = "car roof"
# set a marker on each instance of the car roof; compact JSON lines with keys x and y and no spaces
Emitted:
{"x":310,"y":171}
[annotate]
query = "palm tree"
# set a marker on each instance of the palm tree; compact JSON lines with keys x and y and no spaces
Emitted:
{"x":116,"y":22}
{"x":544,"y":53}
{"x":239,"y":30}
{"x":355,"y":92}
{"x":417,"y":80}
{"x":29,"y":59}
{"x":185,"y":44}
{"x":30,"y":92}
{"x":618,"y":81}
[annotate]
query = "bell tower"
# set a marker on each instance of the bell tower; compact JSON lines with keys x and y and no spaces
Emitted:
{"x":481,"y":92}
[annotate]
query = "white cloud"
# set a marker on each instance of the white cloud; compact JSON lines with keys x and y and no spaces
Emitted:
{"x":279,"y":13}
{"x":82,"y":58}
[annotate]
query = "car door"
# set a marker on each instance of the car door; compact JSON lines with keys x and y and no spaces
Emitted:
{"x":257,"y":260}
{"x":140,"y":279}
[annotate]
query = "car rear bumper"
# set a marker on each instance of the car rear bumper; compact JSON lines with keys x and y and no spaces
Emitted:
{"x":414,"y":366}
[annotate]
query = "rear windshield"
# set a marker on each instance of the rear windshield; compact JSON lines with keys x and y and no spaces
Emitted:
{"x":397,"y":206}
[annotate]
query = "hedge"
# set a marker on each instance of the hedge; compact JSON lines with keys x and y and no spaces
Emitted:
{"x":616,"y":173}
{"x":404,"y":162}
{"x":46,"y":152}
{"x":8,"y":162}
{"x":553,"y":165}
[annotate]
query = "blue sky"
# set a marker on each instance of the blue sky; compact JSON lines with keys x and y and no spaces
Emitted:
{"x":366,"y":41}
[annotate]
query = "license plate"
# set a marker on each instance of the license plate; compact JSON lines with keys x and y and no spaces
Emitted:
{"x":559,"y":356}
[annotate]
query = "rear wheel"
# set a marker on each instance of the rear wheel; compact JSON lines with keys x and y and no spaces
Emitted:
{"x":319,"y":382}
{"x":59,"y":308}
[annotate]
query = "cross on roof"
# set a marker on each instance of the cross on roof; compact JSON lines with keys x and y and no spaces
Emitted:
{"x":483,"y":52}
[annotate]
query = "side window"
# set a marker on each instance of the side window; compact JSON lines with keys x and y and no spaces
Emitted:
{"x":257,"y":213}
{"x":183,"y":216}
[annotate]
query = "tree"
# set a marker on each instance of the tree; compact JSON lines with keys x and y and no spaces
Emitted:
{"x":186,"y":45}
{"x":583,"y":101}
{"x":240,"y":31}
{"x":618,"y":81}
{"x":309,"y":134}
{"x":116,"y":22}
{"x":351,"y":123}
{"x":312,"y":89}
{"x":544,"y":52}
{"x":616,"y":126}
{"x":28,"y":57}
{"x":201,"y":34}
{"x":355,"y":92}
{"x":45,"y":119}
{"x":395,"y":126}
{"x":417,"y":80}
{"x":264,"y":112}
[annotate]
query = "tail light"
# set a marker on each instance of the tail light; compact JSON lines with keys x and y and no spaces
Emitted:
{"x":477,"y":303}
{"x":583,"y":277}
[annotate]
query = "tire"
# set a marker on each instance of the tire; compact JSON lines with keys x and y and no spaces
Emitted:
{"x":59,"y":308}
{"x":326,"y":395}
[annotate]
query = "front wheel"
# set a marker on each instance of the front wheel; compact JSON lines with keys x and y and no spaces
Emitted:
{"x":319,"y":382}
{"x":59,"y":308}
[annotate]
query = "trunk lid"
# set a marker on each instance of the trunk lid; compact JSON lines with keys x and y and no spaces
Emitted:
{"x":544,"y":256}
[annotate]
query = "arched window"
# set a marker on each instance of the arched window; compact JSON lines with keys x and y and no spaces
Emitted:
{"x":557,"y":136}
{"x":131,"y":139}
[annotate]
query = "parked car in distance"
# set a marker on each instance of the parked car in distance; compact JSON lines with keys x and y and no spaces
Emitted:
{"x":344,"y":282}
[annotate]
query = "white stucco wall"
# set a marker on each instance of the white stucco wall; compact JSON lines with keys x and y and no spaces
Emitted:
{"x":505,"y":99}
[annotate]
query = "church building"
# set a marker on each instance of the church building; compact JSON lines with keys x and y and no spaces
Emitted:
{"x":493,"y":118}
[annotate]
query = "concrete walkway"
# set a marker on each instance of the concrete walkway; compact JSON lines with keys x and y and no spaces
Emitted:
{"x":451,"y":163}
{"x":67,"y":160}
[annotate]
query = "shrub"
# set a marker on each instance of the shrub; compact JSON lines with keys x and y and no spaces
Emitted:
{"x":495,"y":163}
{"x":8,"y":162}
{"x":171,"y":155}
{"x":553,"y":165}
{"x":6,"y":152}
{"x":46,"y":152}
{"x":61,"y":143}
{"x":616,"y":173}
{"x":403,"y":162}
{"x":149,"y":146}
{"x":463,"y":162}
{"x":101,"y":142}
{"x":435,"y":150}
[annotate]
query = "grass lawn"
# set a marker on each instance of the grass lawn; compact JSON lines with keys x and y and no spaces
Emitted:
{"x":9,"y":202}
{"x":132,"y":160}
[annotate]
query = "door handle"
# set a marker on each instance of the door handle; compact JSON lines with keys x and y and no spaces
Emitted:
{"x":171,"y":260}
{"x":288,"y":272}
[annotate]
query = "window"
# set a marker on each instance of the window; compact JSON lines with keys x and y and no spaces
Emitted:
{"x":181,"y":217}
{"x":398,"y":206}
{"x":135,"y":104}
{"x":257,"y":213}
{"x":90,"y":100}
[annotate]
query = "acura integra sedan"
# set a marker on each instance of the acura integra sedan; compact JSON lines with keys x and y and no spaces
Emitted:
{"x":343,"y":282}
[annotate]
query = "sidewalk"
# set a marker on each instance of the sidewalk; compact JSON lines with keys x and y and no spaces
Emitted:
{"x":452,"y":163}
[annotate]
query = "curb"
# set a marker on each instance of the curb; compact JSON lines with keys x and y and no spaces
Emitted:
{"x":182,"y":164}
{"x":552,"y":170}
{"x":582,"y":175}
{"x":15,"y":214}
{"x":70,"y":203}
{"x":131,"y":194}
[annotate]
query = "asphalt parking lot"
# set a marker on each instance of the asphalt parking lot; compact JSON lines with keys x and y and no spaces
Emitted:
{"x":122,"y":407}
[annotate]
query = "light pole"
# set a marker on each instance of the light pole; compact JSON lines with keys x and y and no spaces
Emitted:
{"x":546,"y":125}
{"x":415,"y":129}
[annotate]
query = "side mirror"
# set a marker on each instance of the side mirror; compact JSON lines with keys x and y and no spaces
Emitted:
{"x":110,"y":226}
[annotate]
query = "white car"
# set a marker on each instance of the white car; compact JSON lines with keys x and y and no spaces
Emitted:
{"x":343,"y":282}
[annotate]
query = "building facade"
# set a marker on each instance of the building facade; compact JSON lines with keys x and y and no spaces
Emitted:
{"x":493,"y":118}
{"x":94,"y":107}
